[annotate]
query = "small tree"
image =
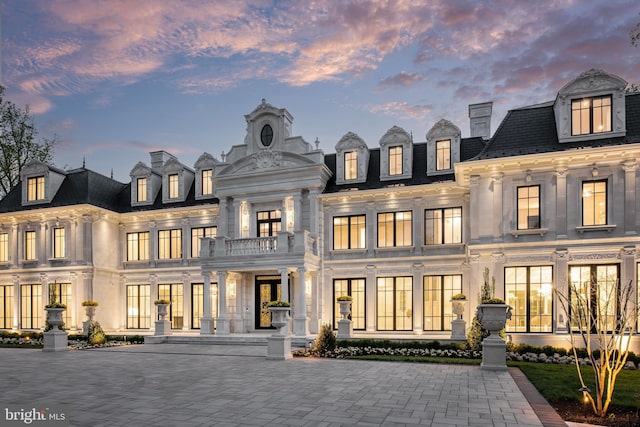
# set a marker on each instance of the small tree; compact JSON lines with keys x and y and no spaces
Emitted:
{"x":600,"y":316}
{"x":18,"y":143}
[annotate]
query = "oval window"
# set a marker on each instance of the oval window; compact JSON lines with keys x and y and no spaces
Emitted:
{"x":266,"y":136}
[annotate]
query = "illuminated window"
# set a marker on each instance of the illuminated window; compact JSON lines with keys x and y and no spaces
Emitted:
{"x":59,"y":246}
{"x":31,"y":307}
{"x":170,"y":244}
{"x":138,"y":302}
{"x":269,"y":223}
{"x":174,"y":186}
{"x":395,"y":160}
{"x":443,"y":154}
{"x":394,"y":229}
{"x":394,"y":304}
{"x":438,"y":290}
{"x":6,"y":306}
{"x":138,"y":246}
{"x":197,"y":303}
{"x":356,"y":289}
{"x":207,"y":182}
{"x":350,"y":165}
{"x":594,"y":297}
{"x":591,"y":115}
{"x":349,"y":232}
{"x":528,"y":207}
{"x":173,"y":292}
{"x":443,"y":226}
{"x":30,"y":245}
{"x":529,"y":292}
{"x":197,"y":234}
{"x":142,"y":189}
{"x":35,"y":188}
{"x":594,"y":203}
{"x":4,"y":247}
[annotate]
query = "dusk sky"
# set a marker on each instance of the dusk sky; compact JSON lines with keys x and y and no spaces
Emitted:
{"x":118,"y":79}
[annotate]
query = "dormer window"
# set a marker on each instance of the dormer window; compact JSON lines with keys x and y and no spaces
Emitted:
{"x":350,"y":165}
{"x":207,"y":182}
{"x":591,"y":115}
{"x":174,"y":187}
{"x":35,"y":188}
{"x":142,"y":189}
{"x":443,"y":154}
{"x":396,"y":154}
{"x":395,"y":160}
{"x":204,"y":167}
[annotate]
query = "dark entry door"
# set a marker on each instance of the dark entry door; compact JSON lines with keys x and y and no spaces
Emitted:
{"x":268,"y":288}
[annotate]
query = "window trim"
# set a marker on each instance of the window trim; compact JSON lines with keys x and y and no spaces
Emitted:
{"x":173,"y":184}
{"x":439,"y":151}
{"x":527,"y":305}
{"x":539,"y":198}
{"x":195,"y":240}
{"x":606,"y":198}
{"x":174,"y":236}
{"x":591,"y":108}
{"x":395,"y":230}
{"x":349,"y":235}
{"x":393,"y":158}
{"x":36,"y":188}
{"x":351,"y":159}
{"x":58,"y":243}
{"x":442,"y":226}
{"x":138,"y":257}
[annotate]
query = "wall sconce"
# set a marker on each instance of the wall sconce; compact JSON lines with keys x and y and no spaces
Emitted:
{"x":307,"y":288}
{"x":289,"y":211}
{"x":232,"y":289}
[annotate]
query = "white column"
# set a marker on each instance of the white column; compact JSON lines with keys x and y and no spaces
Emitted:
{"x":497,"y":207}
{"x":284,"y":284}
{"x":630,"y":197}
{"x":474,"y":208}
{"x":300,"y":326}
{"x":417,"y":308}
{"x":206,"y":322}
{"x":223,"y":221}
{"x":370,"y":291}
{"x":15,"y":279}
{"x":314,"y":322}
{"x":297,"y":212}
{"x":561,"y":203}
{"x":222,"y":322}
{"x":44,"y":244}
{"x":153,"y":282}
{"x":561,"y":257}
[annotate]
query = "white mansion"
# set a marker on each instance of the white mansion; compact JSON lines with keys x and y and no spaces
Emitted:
{"x":550,"y":199}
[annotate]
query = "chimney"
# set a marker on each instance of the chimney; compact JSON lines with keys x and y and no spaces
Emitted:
{"x":480,"y":119}
{"x":158,"y":159}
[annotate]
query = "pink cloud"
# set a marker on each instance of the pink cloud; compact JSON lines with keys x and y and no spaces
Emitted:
{"x":401,"y":109}
{"x":403,"y":78}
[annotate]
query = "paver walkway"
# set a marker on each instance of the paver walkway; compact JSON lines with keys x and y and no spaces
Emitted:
{"x":203,"y":385}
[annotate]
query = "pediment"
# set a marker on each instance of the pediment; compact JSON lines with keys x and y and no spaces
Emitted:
{"x":34,"y":168}
{"x":395,"y":136}
{"x":350,"y":141}
{"x":173,"y":165}
{"x":265,"y":160}
{"x":205,"y":161}
{"x":443,"y":129}
{"x":140,"y":169}
{"x":592,"y":81}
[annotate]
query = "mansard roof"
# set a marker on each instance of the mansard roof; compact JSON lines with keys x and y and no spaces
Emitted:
{"x":532,"y":130}
{"x":470,"y":147}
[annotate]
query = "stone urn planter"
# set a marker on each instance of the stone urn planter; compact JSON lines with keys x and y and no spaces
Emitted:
{"x":458,"y":303}
{"x":458,"y":325}
{"x":493,"y":315}
{"x":90,"y":311}
{"x":55,"y":339}
{"x":345,"y":325}
{"x":163,"y":326}
{"x":279,"y":343}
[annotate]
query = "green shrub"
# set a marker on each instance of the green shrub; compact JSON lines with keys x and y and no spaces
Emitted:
{"x":96,"y":334}
{"x":326,"y":340}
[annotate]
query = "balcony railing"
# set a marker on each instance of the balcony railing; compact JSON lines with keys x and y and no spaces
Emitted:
{"x":284,"y":242}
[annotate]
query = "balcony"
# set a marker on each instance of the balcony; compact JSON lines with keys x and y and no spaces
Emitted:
{"x":299,"y":242}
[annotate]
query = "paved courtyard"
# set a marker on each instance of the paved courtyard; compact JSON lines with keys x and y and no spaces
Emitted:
{"x":204,"y":385}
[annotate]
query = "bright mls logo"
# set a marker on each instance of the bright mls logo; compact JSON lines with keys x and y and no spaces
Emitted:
{"x":41,"y":415}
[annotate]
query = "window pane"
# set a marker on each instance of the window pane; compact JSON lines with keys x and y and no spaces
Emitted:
{"x":528,"y":207}
{"x":58,"y":243}
{"x":30,"y":245}
{"x":174,"y":188}
{"x":207,"y":182}
{"x":6,"y":307}
{"x":351,"y":165}
{"x":4,"y":247}
{"x":395,"y":160}
{"x":142,"y":189}
{"x":443,"y":155}
{"x":138,"y":306}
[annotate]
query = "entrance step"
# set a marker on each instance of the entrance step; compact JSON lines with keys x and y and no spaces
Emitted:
{"x":240,"y":339}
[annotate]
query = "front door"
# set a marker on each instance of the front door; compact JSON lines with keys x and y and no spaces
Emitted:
{"x":268,"y":288}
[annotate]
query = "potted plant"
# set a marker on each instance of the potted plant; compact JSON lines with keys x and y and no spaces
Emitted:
{"x":345,"y":302}
{"x":54,"y":314}
{"x":493,"y":313}
{"x":458,"y":302}
{"x":90,"y":308}
{"x":279,"y":310}
{"x":162,"y":305}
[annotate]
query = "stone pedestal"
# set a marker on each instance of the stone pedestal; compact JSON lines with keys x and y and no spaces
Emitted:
{"x":494,"y":350}
{"x":56,"y":340}
{"x":494,"y":354}
{"x":345,"y":329}
{"x":223,"y":326}
{"x":163,"y":327}
{"x":458,"y":330}
{"x":206,"y":326}
{"x":279,"y":347}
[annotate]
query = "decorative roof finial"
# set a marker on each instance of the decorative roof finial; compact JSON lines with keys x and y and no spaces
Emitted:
{"x":84,"y":163}
{"x":317,"y":143}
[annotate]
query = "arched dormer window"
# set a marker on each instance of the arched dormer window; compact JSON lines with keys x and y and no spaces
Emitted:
{"x":352,"y":159}
{"x":204,"y":167}
{"x":176,"y":181}
{"x":145,"y":185}
{"x":443,"y":147}
{"x":396,"y":154}
{"x":591,"y":107}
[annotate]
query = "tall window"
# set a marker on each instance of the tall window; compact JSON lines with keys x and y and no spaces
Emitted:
{"x":395,"y":229}
{"x":395,"y":304}
{"x":269,"y":223}
{"x":207,"y":183}
{"x":170,"y":244}
{"x":594,"y":203}
{"x":35,"y":188}
{"x":138,"y":246}
{"x":350,"y":165}
{"x":31,"y":306}
{"x":59,"y":244}
{"x":349,"y":232}
{"x":443,"y":155}
{"x":528,"y":207}
{"x":395,"y":160}
{"x":197,"y":303}
{"x":437,"y":291}
{"x":61,"y":292}
{"x":4,"y":247}
{"x":142,"y":189}
{"x":30,"y":245}
{"x":138,"y":302}
{"x":594,"y":297}
{"x":6,"y":306}
{"x":356,"y":289}
{"x":529,"y":291}
{"x":174,"y":293}
{"x":174,"y":187}
{"x":591,"y":115}
{"x":443,"y":226}
{"x":197,"y":234}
